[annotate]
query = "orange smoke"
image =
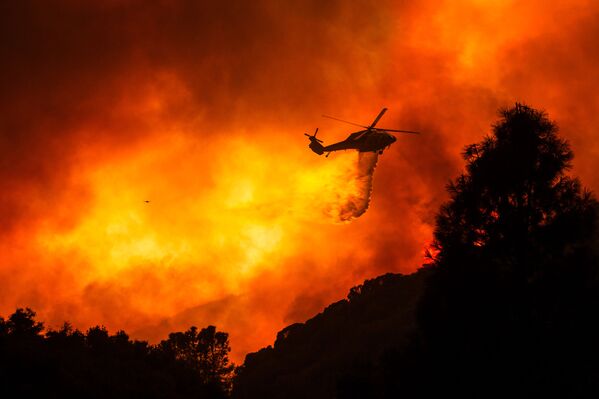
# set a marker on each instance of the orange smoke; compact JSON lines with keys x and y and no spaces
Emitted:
{"x":201,"y":107}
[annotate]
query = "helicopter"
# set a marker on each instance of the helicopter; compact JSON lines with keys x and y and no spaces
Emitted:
{"x":373,"y":139}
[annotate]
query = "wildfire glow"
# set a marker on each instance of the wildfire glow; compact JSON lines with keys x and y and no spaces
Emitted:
{"x":204,"y":118}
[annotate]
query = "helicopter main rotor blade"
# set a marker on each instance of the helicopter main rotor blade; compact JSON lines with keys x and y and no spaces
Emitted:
{"x":359,"y":136}
{"x":341,"y":120}
{"x":396,"y":131}
{"x":379,"y":116}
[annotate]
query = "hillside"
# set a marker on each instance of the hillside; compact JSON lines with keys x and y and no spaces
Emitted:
{"x":376,"y":316}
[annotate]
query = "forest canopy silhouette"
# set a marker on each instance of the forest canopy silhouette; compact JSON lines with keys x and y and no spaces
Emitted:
{"x":506,"y":306}
{"x":95,"y":364}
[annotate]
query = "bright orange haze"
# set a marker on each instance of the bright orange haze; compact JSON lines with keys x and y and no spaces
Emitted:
{"x":201,"y":110}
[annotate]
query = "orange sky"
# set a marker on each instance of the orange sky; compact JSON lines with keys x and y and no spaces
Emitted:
{"x":201,"y":107}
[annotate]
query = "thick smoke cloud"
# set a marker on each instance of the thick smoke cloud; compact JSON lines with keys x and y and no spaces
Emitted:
{"x":200,"y":107}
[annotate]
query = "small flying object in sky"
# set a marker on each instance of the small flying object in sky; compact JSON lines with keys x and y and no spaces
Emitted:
{"x":147,"y":201}
{"x":372,"y":139}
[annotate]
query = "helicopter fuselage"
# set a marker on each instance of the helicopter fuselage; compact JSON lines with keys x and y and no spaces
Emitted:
{"x":369,"y":140}
{"x":362,"y":141}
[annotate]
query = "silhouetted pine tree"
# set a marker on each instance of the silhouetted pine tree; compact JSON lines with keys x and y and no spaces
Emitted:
{"x":512,"y":306}
{"x":206,"y":351}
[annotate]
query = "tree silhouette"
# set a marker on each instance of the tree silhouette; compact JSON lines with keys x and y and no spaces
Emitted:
{"x":206,"y":351}
{"x":516,"y":265}
{"x":97,"y":364}
{"x":22,"y":324}
{"x":514,"y":199}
